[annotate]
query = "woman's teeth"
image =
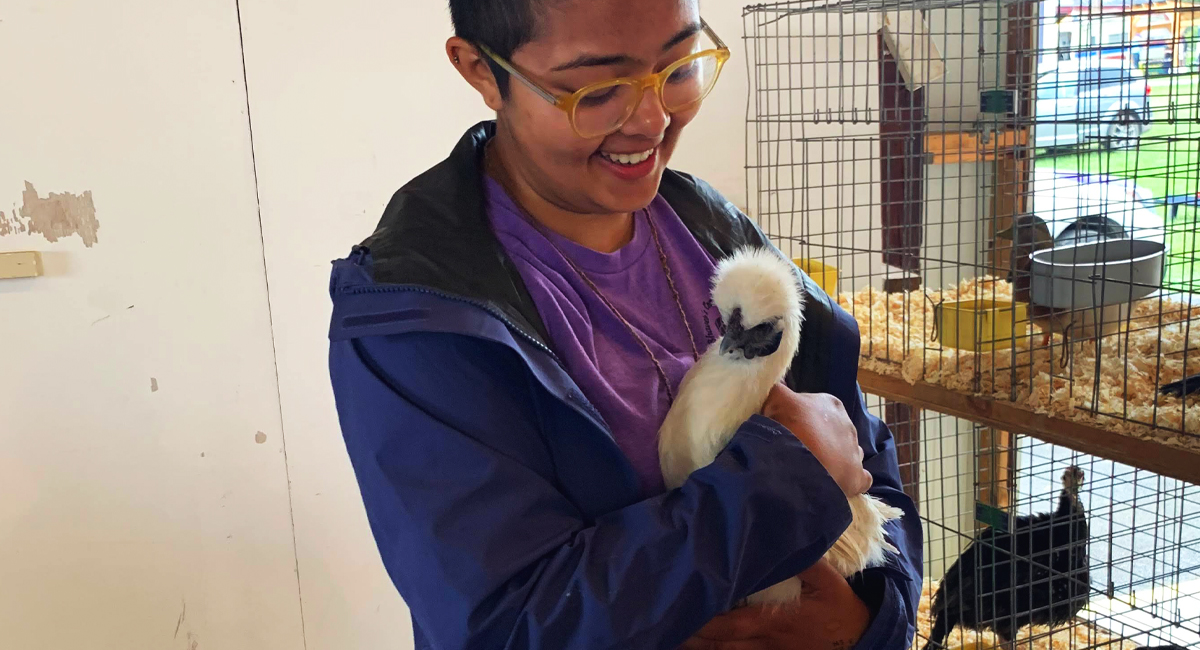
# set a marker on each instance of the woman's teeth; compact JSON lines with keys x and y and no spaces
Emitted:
{"x":628,"y":158}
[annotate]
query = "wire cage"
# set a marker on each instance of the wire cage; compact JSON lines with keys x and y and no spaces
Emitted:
{"x":1133,"y":574}
{"x":1004,"y":194}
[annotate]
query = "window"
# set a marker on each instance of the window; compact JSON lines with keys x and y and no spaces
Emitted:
{"x":1068,"y":85}
{"x":1047,"y":86}
{"x":1114,"y":75}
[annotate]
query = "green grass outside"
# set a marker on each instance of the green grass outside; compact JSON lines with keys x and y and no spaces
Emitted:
{"x":1167,"y":161}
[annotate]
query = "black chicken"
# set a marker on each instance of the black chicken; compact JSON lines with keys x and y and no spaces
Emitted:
{"x":1034,"y":574}
{"x":1183,"y":387}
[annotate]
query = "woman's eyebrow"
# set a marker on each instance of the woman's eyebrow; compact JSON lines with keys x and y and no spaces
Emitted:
{"x":595,"y":60}
{"x":684,"y":34}
{"x":601,"y":60}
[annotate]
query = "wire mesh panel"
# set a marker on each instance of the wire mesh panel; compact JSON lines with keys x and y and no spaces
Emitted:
{"x":1004,"y":194}
{"x":1005,"y":191}
{"x":1122,"y":556}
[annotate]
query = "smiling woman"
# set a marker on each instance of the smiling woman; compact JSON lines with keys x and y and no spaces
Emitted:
{"x":559,"y":168}
{"x":505,"y":437}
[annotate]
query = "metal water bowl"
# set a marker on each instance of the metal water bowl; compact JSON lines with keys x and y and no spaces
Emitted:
{"x":1108,"y":272}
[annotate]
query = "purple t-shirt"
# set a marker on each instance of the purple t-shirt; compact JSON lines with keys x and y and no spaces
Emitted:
{"x":611,"y":367}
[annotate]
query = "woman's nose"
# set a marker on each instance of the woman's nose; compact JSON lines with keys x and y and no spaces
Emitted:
{"x":649,"y":119}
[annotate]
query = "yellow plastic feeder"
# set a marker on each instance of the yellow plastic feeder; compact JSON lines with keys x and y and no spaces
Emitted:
{"x":825,"y":275}
{"x":980,"y":324}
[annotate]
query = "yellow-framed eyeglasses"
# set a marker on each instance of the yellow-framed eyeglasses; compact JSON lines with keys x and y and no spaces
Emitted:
{"x":602,"y":108}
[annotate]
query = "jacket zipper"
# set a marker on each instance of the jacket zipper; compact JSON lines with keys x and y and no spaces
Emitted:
{"x":583,"y":400}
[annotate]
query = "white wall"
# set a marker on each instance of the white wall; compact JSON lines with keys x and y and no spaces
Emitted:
{"x":349,"y":100}
{"x":133,"y":518}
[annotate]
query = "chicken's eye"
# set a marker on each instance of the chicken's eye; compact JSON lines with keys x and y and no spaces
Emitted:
{"x":762,"y":330}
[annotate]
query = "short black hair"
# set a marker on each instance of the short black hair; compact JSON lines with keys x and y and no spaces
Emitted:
{"x":502,"y":25}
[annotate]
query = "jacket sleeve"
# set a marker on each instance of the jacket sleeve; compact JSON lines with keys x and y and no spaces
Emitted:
{"x":892,"y":591}
{"x":488,"y":553}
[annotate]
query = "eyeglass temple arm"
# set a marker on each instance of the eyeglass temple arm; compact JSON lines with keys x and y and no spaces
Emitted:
{"x":543,"y":93}
{"x":713,"y":35}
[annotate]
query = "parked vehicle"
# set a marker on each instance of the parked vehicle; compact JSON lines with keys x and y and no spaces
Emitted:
{"x":1078,"y":208}
{"x":1104,"y":100}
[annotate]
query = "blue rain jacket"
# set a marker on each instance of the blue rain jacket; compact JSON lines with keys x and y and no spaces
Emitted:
{"x":503,"y":510}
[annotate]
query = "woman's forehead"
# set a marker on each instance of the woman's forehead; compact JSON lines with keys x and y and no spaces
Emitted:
{"x":640,"y":29}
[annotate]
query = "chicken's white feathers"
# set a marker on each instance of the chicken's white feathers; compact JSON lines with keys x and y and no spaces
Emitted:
{"x":756,"y":288}
{"x":721,"y":391}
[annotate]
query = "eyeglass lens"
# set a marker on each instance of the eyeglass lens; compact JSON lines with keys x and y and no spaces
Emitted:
{"x":604,"y":110}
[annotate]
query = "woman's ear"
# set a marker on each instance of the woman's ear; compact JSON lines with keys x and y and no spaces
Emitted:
{"x":473,"y":67}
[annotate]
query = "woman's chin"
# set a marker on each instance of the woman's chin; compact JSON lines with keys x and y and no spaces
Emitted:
{"x":617,"y":196}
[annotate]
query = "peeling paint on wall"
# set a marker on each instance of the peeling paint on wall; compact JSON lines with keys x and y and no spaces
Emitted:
{"x":57,"y":216}
{"x":10,"y":225}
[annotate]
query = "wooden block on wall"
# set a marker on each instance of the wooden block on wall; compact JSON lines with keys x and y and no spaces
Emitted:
{"x":22,"y":264}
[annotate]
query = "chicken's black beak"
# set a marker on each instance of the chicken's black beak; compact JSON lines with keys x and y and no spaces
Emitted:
{"x":762,"y":340}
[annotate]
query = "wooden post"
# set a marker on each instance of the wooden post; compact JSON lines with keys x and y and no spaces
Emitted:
{"x":995,"y":469}
{"x":1014,"y":167}
{"x":902,"y":179}
{"x":904,"y":421}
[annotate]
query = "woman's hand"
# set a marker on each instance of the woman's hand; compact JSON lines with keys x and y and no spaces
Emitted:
{"x":820,"y":421}
{"x":829,"y":616}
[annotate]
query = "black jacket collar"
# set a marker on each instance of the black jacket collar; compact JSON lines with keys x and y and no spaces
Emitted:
{"x":435,"y":234}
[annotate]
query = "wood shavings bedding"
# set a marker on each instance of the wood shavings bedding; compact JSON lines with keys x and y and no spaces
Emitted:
{"x":1071,"y":637}
{"x":897,"y":332}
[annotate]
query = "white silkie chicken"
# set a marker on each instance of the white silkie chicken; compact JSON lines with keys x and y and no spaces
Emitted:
{"x":759,"y":297}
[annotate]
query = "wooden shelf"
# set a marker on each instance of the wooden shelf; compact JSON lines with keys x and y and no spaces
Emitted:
{"x":1175,"y":462}
{"x":964,"y":146}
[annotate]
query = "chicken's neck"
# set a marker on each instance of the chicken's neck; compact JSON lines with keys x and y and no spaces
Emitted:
{"x":1068,"y":503}
{"x":778,"y":364}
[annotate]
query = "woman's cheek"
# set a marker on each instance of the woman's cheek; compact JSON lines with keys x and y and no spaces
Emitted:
{"x":554,"y":131}
{"x":683,"y":118}
{"x":675,"y":129}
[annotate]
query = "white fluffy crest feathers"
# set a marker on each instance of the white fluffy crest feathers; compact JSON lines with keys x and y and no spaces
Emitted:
{"x":762,"y":284}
